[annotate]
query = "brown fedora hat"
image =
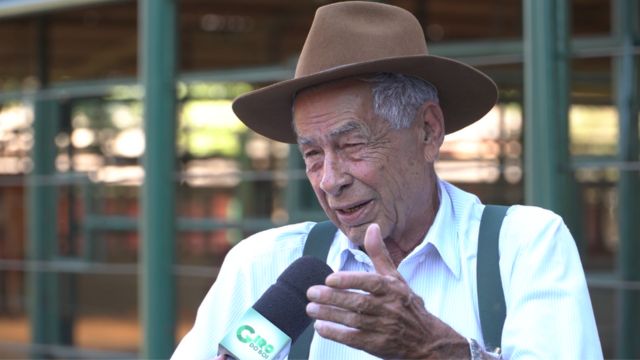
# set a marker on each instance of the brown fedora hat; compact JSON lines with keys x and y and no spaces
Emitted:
{"x":356,"y":38}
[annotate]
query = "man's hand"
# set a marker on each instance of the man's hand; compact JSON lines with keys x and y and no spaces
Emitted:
{"x":385,"y":318}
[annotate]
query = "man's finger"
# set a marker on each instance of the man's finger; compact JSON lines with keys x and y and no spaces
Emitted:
{"x":350,"y":318}
{"x":350,"y":299}
{"x":377,"y":251}
{"x":369,"y":282}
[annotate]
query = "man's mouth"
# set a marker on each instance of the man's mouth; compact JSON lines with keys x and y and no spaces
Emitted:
{"x":351,"y":210}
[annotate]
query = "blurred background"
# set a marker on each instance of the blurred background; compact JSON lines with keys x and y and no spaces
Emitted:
{"x":117,"y":208}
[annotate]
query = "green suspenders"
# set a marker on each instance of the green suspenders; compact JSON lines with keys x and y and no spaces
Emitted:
{"x":318,"y":243}
{"x":491,"y":302}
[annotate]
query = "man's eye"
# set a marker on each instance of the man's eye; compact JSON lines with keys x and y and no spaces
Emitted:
{"x":352,"y":145}
{"x":311,"y":153}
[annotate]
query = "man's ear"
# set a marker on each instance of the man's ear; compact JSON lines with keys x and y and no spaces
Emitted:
{"x":431,"y":121}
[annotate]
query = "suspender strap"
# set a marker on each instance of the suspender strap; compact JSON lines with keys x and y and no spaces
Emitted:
{"x":491,"y":302}
{"x":318,"y":243}
{"x":319,"y":240}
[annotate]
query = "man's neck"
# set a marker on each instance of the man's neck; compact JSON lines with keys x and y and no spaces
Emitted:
{"x":400,"y":249}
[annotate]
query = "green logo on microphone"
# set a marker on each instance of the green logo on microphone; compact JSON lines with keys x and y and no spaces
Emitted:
{"x":257,"y":343}
{"x":256,"y":338}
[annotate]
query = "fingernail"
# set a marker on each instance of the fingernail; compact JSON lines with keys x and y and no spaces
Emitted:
{"x":333,"y":280}
{"x":313,"y":293}
{"x":318,"y":325}
{"x":312,"y":309}
{"x":375,"y":228}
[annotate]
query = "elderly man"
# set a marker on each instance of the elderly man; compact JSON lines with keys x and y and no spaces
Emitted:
{"x":369,"y":109}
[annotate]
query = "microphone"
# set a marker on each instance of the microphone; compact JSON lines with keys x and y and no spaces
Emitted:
{"x":267,"y":330}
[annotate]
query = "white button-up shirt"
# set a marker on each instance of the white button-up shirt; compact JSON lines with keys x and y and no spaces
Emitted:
{"x":549,"y":313}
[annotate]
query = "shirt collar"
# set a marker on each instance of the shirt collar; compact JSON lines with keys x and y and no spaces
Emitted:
{"x":442,"y":236}
{"x":443,"y":232}
{"x":340,"y":251}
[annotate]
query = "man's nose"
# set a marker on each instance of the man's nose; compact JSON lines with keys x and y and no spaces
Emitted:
{"x":335,"y":178}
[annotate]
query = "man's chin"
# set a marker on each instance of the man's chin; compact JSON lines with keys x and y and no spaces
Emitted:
{"x":356,"y":233}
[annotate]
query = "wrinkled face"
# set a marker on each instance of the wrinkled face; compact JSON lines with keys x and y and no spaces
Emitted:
{"x":361,"y":169}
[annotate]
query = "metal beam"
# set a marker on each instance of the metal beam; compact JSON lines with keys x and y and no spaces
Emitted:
{"x":12,"y":8}
{"x":43,"y":286}
{"x":41,"y":226}
{"x":626,"y":23}
{"x":547,"y":167}
{"x":476,"y":53}
{"x":157,"y":55}
{"x":565,"y":180}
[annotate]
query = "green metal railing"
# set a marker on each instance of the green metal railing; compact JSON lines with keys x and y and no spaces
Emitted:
{"x":546,"y":106}
{"x":43,"y":286}
{"x":158,"y":68}
{"x":627,"y":79}
{"x":548,"y":181}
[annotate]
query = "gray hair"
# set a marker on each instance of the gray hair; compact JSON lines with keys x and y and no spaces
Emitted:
{"x":397,"y":97}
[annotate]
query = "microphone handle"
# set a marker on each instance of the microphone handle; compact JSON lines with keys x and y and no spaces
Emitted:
{"x":224,"y":354}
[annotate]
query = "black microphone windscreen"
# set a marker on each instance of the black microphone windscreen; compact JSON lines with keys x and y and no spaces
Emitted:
{"x":284,"y":303}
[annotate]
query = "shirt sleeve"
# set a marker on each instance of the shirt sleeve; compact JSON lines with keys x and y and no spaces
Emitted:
{"x":248,"y":270}
{"x":549,"y":312}
{"x":201,"y":342}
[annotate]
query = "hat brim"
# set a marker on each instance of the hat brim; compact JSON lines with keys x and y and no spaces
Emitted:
{"x":465,"y":93}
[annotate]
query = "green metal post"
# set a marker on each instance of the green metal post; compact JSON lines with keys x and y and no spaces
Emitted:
{"x":568,"y":200}
{"x":244,"y":193}
{"x":41,"y":223}
{"x":293,"y":189}
{"x":546,"y":103}
{"x":44,"y":287}
{"x":566,"y":203}
{"x":627,"y":77}
{"x":157,"y":66}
